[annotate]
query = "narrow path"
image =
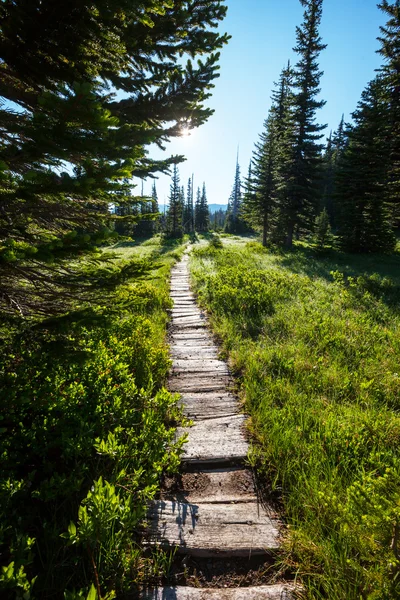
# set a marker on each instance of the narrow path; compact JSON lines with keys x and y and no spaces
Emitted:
{"x":215,"y":513}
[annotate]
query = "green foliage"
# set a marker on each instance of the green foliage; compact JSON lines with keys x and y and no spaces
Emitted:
{"x":321,"y":383}
{"x":323,"y":234}
{"x":215,"y":242}
{"x":174,"y":219}
{"x":365,"y":224}
{"x":87,"y":90}
{"x":201,"y":215}
{"x":88,"y":432}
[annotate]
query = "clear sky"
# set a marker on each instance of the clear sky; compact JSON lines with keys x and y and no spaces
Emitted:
{"x":263,"y":35}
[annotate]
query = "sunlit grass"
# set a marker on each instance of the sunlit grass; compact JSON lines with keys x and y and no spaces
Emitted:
{"x":315,"y":344}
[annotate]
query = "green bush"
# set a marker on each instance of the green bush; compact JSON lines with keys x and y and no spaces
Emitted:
{"x":87,"y":433}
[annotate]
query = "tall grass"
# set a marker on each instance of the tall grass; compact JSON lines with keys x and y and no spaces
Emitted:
{"x":86,"y":431}
{"x":315,"y":344}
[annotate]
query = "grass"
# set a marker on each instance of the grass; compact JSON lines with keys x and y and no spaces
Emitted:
{"x":314,"y":341}
{"x":87,"y":433}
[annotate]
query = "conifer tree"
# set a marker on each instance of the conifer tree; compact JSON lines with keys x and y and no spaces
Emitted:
{"x":175,"y":208}
{"x":363,"y":212}
{"x":197,"y":208}
{"x":188,"y":212}
{"x":234,"y":222}
{"x":202,"y":214}
{"x":336,"y":144}
{"x":300,"y":155}
{"x":390,"y":71}
{"x":259,"y":202}
{"x":323,"y":233}
{"x":155,"y":208}
{"x":58,"y":63}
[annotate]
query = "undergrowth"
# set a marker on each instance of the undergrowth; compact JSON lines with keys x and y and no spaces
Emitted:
{"x":315,"y":345}
{"x":87,"y":431}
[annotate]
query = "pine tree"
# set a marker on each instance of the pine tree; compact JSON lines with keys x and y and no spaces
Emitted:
{"x":323,"y":233}
{"x":336,"y":144}
{"x":234,"y":222}
{"x":300,"y":154}
{"x":202,"y":214}
{"x":259,"y":201}
{"x":155,"y":208}
{"x":175,"y":208}
{"x":197,"y":209}
{"x":188,"y":212}
{"x":363,"y":213}
{"x":390,"y":71}
{"x":58,"y":62}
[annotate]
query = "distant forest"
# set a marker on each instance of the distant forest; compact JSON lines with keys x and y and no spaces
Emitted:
{"x":299,"y":187}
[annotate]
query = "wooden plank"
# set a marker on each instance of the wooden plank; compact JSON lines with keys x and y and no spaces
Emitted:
{"x":208,"y":405}
{"x":219,"y":486}
{"x":215,"y":441}
{"x":187,"y":352}
{"x":182,"y":294}
{"x":196,"y":365}
{"x":186,"y":310}
{"x":192,"y":344}
{"x":191,"y":383}
{"x":208,"y":529}
{"x":191,"y":335}
{"x":269,"y":592}
{"x":185,"y":303}
{"x":189,"y":324}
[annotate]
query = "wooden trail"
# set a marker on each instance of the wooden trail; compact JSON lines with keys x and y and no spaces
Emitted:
{"x":217,"y":513}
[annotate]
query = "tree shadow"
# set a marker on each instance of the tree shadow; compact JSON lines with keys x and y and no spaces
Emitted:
{"x":305,"y":260}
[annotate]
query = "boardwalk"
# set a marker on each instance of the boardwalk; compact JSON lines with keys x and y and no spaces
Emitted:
{"x":220,"y":515}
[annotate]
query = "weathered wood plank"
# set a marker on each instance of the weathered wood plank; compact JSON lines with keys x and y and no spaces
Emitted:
{"x":187,"y":352}
{"x":184,"y":303}
{"x":209,"y":405}
{"x":269,"y":592}
{"x":184,"y":384}
{"x":219,"y":486}
{"x":192,"y":344}
{"x":191,"y":335}
{"x":189,"y":324}
{"x":196,"y":365}
{"x":215,"y":441}
{"x":205,"y":529}
{"x":186,"y":310}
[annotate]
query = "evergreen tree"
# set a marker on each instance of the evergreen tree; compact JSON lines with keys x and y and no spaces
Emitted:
{"x":188,"y":212}
{"x":217,"y":218}
{"x":336,"y":144}
{"x":363,"y":212}
{"x":155,"y":209}
{"x":234,"y":222}
{"x":323,"y":233}
{"x":390,"y":71}
{"x":259,"y":203}
{"x":299,"y":159}
{"x":58,"y":62}
{"x":175,"y":208}
{"x":183,"y":204}
{"x":197,"y":208}
{"x":202,"y":214}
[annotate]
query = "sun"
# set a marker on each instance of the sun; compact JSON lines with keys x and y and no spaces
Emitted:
{"x":184,"y":132}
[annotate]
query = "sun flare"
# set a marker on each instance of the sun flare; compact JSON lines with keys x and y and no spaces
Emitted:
{"x":185,"y":132}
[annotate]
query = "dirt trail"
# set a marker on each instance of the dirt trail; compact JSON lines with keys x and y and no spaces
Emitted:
{"x":211,"y":513}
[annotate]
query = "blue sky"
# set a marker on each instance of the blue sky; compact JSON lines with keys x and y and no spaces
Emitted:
{"x":263,"y":35}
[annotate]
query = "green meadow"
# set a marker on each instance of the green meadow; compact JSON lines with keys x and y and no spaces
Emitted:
{"x":314,"y":341}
